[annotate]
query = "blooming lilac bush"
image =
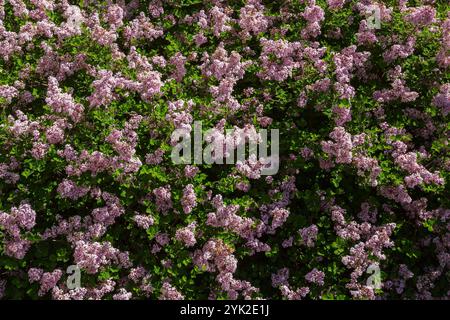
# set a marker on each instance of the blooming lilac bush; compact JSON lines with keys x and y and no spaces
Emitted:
{"x":91,"y":91}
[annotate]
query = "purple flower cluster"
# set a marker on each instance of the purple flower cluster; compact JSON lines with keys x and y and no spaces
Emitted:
{"x":19,"y":220}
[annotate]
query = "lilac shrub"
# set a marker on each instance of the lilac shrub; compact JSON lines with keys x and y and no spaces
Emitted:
{"x":91,"y":92}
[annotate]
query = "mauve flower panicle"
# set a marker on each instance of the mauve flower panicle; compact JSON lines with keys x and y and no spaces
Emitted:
{"x":68,"y":189}
{"x":309,"y":235}
{"x":290,"y":294}
{"x":313,"y":15}
{"x":189,"y":199}
{"x":343,"y":115}
{"x":287,"y":242}
{"x":48,"y":281}
{"x":280,"y":278}
{"x":219,"y":20}
{"x":284,"y":65}
{"x":61,"y":102}
{"x":115,"y":15}
{"x":22,"y":218}
{"x":279,"y":217}
{"x":443,"y":56}
{"x":252,"y":19}
{"x":335,"y":4}
{"x":142,"y":28}
{"x":315,"y":276}
{"x":156,"y":8}
{"x":190,"y":171}
{"x":421,"y":16}
{"x":35,"y":274}
{"x":187,"y":235}
{"x":178,"y":61}
{"x":155,"y":157}
{"x":168,"y":292}
{"x":346,"y":62}
{"x":8,"y":93}
{"x":163,"y":199}
{"x":143,"y":221}
{"x":442,"y":99}
{"x":123,"y":294}
{"x":93,"y":255}
{"x":341,"y":147}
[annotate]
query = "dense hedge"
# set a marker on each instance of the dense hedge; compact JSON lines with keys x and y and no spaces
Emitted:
{"x":91,"y":91}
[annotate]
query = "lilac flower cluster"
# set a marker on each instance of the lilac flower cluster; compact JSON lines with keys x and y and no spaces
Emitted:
{"x":19,"y":219}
